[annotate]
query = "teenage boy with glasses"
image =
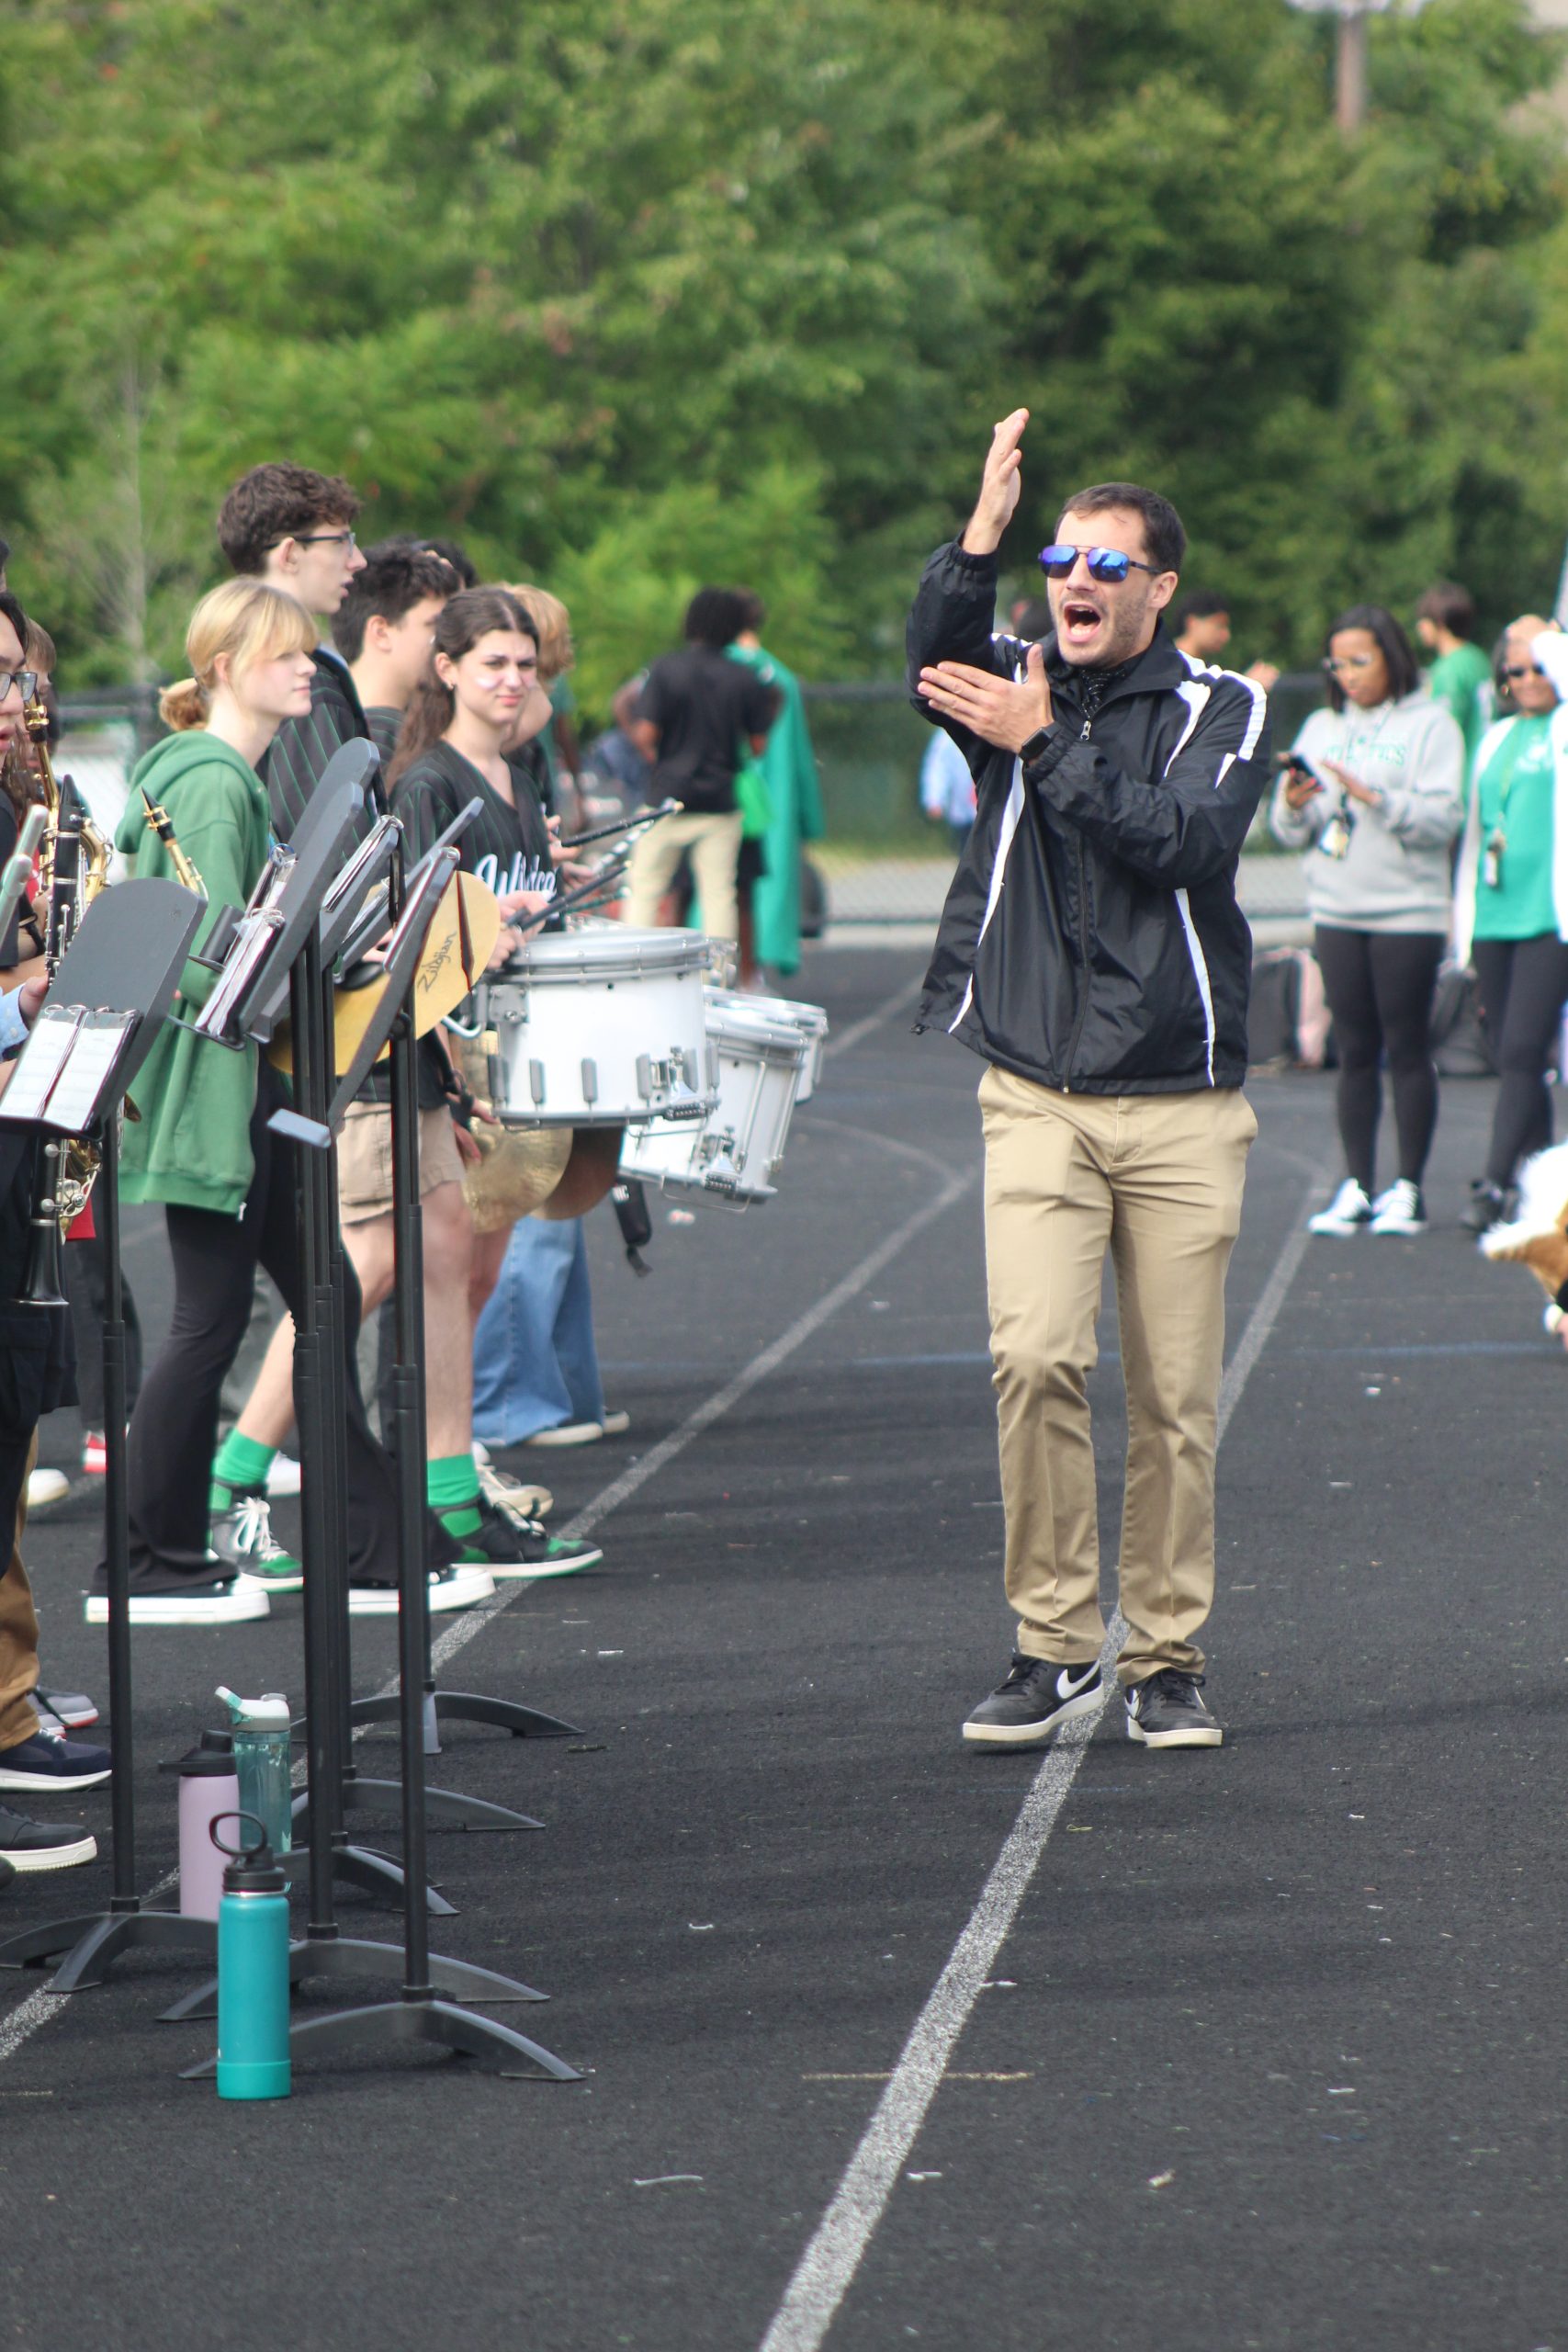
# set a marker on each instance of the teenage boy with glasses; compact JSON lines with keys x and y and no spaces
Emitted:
{"x":1093,"y":952}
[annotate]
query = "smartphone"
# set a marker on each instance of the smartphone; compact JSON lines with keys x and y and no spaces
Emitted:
{"x":1295,"y":766}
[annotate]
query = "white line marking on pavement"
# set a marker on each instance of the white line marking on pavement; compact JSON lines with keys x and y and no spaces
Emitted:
{"x":824,"y":2273}
{"x":25,"y":2018}
{"x":461,"y":1631}
{"x":904,"y":993}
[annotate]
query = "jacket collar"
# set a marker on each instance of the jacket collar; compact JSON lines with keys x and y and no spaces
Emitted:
{"x":1155,"y":670}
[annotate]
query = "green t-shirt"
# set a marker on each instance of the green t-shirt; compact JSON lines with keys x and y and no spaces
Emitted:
{"x":1462,"y":680}
{"x":1518,"y":788}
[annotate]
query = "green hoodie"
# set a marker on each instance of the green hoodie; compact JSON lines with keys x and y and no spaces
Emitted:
{"x":192,"y":1143}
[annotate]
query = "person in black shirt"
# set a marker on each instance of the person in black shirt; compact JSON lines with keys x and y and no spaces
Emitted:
{"x":295,"y":529}
{"x":450,"y":751}
{"x":697,"y":712}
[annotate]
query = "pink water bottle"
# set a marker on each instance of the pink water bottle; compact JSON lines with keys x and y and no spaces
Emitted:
{"x":209,"y":1787}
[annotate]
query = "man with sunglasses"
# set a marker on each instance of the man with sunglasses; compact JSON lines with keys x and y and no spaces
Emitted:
{"x":1093,"y":952}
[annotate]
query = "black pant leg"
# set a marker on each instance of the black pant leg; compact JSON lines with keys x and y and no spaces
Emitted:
{"x":1345,"y":960}
{"x":1404,"y":973}
{"x":1525,"y":1048}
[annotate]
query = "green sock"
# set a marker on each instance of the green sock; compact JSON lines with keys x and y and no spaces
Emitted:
{"x":241,"y":1467}
{"x":452,"y":1484}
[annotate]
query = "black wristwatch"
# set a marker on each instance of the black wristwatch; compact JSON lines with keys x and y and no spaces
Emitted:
{"x":1036,"y":746}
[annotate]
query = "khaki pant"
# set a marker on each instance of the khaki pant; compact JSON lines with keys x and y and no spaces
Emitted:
{"x":18,"y":1633}
{"x":1157,"y":1178}
{"x":714,"y":846}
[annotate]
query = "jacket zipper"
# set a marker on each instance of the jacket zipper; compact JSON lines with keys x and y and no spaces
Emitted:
{"x":1083,"y":942}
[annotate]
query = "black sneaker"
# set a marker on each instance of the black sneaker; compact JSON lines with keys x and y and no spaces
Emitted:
{"x":1488,"y":1204}
{"x":8,"y":1872}
{"x":1165,"y":1710}
{"x":242,"y":1539}
{"x":162,"y":1597}
{"x":33,"y":1846}
{"x":462,"y":1586}
{"x":514,"y":1547}
{"x":44,"y":1763}
{"x":1038,"y":1696}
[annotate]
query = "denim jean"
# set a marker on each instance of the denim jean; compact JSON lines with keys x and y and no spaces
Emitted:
{"x":534,"y":1361}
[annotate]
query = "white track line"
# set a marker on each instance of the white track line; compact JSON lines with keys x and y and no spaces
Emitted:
{"x":906,"y":993}
{"x":826,"y":2269}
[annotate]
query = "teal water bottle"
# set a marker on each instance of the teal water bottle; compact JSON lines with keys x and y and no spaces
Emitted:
{"x":253,"y":1967}
{"x":261,"y":1729}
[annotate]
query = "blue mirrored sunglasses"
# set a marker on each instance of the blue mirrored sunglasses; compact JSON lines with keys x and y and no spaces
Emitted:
{"x":1104,"y":563}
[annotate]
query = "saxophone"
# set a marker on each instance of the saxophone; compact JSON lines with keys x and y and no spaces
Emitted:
{"x":73,"y":863}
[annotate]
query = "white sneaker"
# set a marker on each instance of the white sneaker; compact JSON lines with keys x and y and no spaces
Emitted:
{"x":1347,"y":1212}
{"x":568,"y":1433}
{"x":454,"y":1588}
{"x":1399,"y":1210}
{"x":616,"y":1424}
{"x":283,"y":1474}
{"x":46,"y":1486}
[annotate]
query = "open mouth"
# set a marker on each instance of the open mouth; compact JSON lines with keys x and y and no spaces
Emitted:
{"x":1079,"y":620}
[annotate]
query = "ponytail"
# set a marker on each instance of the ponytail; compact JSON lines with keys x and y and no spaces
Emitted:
{"x":185,"y":706}
{"x":427,"y":720}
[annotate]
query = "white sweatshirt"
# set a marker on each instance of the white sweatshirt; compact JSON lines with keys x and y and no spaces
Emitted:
{"x":1396,"y":874}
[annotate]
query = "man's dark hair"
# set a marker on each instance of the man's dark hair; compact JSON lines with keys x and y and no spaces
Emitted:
{"x":1034,"y":623}
{"x":1392,"y":644}
{"x":11,"y":607}
{"x":714,"y":616}
{"x":1202,"y":605}
{"x":279,"y":501}
{"x":419,"y":543}
{"x":1449,"y":606}
{"x":1165,"y":540}
{"x":751,"y":605}
{"x":396,"y":578}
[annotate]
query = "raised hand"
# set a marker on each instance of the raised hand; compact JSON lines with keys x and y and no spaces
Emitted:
{"x":999,"y":487}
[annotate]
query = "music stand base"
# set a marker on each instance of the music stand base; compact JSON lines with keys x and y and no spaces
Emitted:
{"x":470,"y":1707}
{"x":371,"y":1872}
{"x":456,"y":1811}
{"x":92,"y":1943}
{"x":351,"y":1956}
{"x":495,"y":2047}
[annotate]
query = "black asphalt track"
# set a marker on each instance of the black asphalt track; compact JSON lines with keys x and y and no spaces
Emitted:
{"x":1272,"y":2057}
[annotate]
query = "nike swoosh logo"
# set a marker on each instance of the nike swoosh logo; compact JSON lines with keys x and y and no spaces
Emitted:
{"x":1066,"y":1687}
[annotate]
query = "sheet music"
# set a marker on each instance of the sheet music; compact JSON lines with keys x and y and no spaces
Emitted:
{"x":76,"y":1096}
{"x":41,"y":1060}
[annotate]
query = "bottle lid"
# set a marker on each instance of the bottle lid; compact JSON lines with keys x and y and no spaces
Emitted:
{"x":251,"y":1868}
{"x":269,"y":1712}
{"x":211,"y":1758}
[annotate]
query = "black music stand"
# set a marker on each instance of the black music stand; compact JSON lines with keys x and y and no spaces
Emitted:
{"x":330,"y":1855}
{"x":418,"y":2014}
{"x":129,"y":950}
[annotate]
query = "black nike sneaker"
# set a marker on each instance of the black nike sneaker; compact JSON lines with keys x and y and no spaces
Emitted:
{"x":1038,"y":1696}
{"x":1167,"y":1711}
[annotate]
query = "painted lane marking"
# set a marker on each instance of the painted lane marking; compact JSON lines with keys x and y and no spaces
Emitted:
{"x":826,"y":2269}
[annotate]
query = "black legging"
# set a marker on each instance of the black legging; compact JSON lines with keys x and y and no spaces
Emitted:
{"x":1521,"y":985}
{"x":1379,"y":985}
{"x":174,"y":1430}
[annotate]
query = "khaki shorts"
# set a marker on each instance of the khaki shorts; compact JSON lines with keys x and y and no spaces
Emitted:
{"x":365,"y":1160}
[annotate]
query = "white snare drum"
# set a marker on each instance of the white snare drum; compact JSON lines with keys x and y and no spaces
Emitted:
{"x":809,"y":1019}
{"x":601,"y":1027}
{"x":730,"y":1159}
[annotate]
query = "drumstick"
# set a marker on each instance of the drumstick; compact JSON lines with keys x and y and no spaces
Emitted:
{"x":627,"y":824}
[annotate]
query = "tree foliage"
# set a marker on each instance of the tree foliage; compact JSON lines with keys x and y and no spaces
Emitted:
{"x":632,"y":295}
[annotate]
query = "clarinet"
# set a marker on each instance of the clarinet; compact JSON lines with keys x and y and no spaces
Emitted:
{"x":59,"y":864}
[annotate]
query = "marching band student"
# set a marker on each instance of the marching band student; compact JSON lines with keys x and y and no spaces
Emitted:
{"x":295,"y":529}
{"x":37,"y":1379}
{"x":203,"y":1147}
{"x":406,"y":582}
{"x":452,"y":750}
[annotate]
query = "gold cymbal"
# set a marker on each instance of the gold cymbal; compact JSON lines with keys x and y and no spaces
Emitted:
{"x":440,"y":983}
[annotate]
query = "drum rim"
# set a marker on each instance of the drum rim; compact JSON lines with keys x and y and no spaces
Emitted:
{"x":573,"y":955}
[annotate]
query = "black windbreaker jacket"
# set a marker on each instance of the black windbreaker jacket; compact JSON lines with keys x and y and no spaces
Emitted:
{"x":1091,"y":939}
